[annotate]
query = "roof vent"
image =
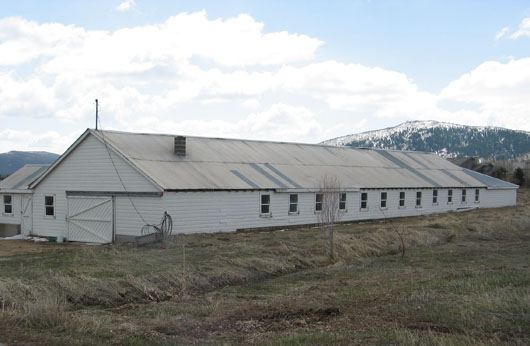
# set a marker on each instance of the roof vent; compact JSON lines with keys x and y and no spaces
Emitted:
{"x":180,"y":145}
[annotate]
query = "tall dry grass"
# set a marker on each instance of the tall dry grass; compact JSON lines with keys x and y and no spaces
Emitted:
{"x":111,"y":276}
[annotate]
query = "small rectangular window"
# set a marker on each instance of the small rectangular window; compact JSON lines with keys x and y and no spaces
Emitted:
{"x":293,"y":203}
{"x":383,"y":199}
{"x":418,"y":199}
{"x":8,"y":204}
{"x":319,"y":199}
{"x":449,"y":196}
{"x":434,"y":196}
{"x":364,"y":200}
{"x":49,"y":205}
{"x":402,"y":199}
{"x":342,"y":201}
{"x":477,"y":195}
{"x":464,"y":194}
{"x":265,"y":204}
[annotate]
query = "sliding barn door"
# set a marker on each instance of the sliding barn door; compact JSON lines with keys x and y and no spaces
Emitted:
{"x":90,"y":219}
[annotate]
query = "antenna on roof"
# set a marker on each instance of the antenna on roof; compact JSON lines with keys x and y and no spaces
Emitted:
{"x":97,"y":114}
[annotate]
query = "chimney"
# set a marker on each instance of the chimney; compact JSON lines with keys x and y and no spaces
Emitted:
{"x":180,"y":145}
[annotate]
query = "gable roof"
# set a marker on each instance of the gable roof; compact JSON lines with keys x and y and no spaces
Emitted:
{"x":216,"y":163}
{"x":234,"y":164}
{"x":22,"y":178}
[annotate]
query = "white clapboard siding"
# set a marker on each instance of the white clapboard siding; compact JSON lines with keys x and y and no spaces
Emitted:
{"x":128,"y":221}
{"x":13,"y":218}
{"x":374,"y":210}
{"x":224,"y":211}
{"x":498,"y":198}
{"x":87,"y":168}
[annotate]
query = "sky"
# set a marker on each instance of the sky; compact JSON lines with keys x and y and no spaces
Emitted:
{"x":294,"y":71}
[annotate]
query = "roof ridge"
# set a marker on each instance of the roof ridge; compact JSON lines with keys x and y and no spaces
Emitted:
{"x":255,"y":141}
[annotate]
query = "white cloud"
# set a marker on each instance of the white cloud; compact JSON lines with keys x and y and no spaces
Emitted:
{"x":498,"y":91}
{"x":52,"y":141}
{"x":223,"y":77}
{"x":125,"y":5}
{"x":30,"y":96}
{"x":523,"y":30}
{"x":348,"y":86}
{"x":251,"y":103}
{"x":502,"y":32}
{"x":22,"y":41}
{"x":279,"y":122}
{"x":237,"y":41}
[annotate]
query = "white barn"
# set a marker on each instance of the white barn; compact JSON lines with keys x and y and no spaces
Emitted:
{"x":108,"y":185}
{"x":15,"y":196}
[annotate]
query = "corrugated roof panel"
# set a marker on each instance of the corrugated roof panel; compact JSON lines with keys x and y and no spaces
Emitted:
{"x":461,"y":181}
{"x":436,"y":162}
{"x":461,"y":174}
{"x":21,"y":179}
{"x":283,"y":176}
{"x":430,"y":160}
{"x":268,"y":175}
{"x":23,"y":184}
{"x":400,"y":160}
{"x":210,"y":163}
{"x":245,"y":179}
{"x":442,"y":179}
{"x":417,"y":162}
{"x":489,"y":181}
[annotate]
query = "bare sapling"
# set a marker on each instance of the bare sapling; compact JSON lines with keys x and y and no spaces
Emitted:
{"x":327,"y":207}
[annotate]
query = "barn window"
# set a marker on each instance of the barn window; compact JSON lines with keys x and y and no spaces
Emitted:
{"x":434,"y":197}
{"x":477,"y":195}
{"x":464,"y":194}
{"x":8,"y":204}
{"x":449,"y":196}
{"x":364,"y":200}
{"x":402,"y":199}
{"x":265,"y":204}
{"x":342,"y":201}
{"x":383,"y":200}
{"x":293,"y":203}
{"x":49,"y":205}
{"x":319,"y":199}
{"x":418,"y":199}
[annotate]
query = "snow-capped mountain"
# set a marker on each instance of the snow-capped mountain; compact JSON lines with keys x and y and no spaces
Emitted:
{"x":445,"y":139}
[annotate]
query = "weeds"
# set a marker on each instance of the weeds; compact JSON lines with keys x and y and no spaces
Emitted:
{"x":464,"y":280}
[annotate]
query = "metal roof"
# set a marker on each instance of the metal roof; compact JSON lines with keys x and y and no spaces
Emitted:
{"x":216,"y":163}
{"x":23,"y":177}
{"x":490,"y":181}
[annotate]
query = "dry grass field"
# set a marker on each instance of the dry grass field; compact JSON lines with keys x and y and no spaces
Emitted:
{"x":464,"y":279}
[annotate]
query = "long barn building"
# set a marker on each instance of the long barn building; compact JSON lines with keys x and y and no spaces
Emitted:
{"x":109,"y":184}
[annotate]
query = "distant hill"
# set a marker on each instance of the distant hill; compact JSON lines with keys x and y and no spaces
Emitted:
{"x":445,"y":139}
{"x":13,"y":160}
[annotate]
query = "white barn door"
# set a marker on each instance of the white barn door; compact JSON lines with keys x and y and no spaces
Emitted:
{"x":90,"y":219}
{"x":26,"y":215}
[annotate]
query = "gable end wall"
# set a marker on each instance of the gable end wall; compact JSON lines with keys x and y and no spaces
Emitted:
{"x":87,"y":168}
